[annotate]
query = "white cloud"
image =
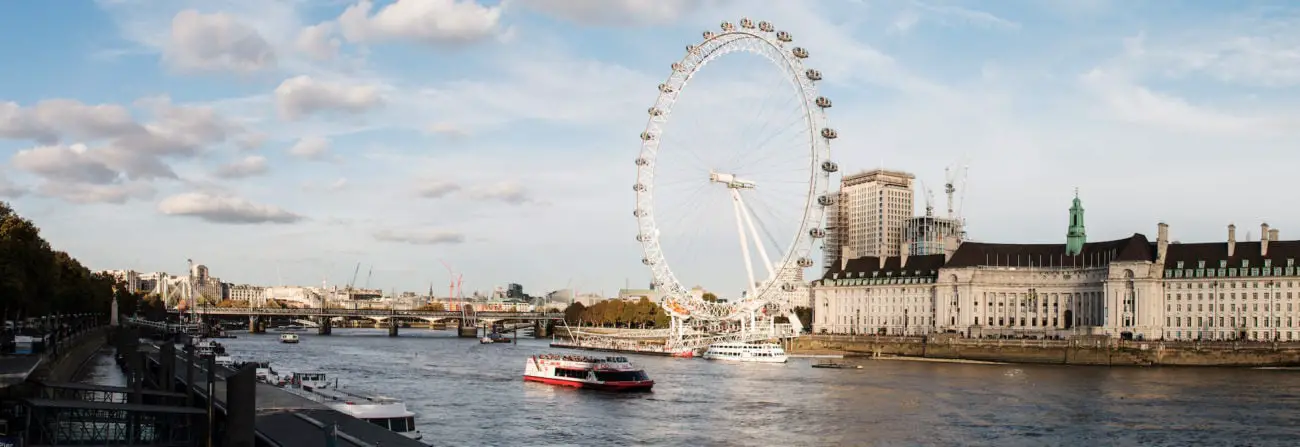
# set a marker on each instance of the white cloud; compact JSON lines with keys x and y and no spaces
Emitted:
{"x":311,"y":148}
{"x":300,"y":96}
{"x":318,"y":41}
{"x":215,"y":42}
{"x":420,"y":237}
{"x":970,"y":16}
{"x":437,"y":189}
{"x":338,"y":185}
{"x":1134,"y":103}
{"x":50,"y":120}
{"x":66,"y":164}
{"x":8,"y":189}
{"x":615,"y":12}
{"x":224,"y":209}
{"x":252,"y":141}
{"x":85,"y":193}
{"x":507,"y":191}
{"x":434,"y":22}
{"x":448,"y":129}
{"x":246,"y":167}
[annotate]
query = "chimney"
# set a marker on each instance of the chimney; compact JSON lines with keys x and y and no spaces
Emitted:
{"x":1263,"y":239}
{"x":844,"y":258}
{"x":902,"y":255}
{"x":1162,"y":242}
{"x":1272,"y":235}
{"x":1232,"y":239}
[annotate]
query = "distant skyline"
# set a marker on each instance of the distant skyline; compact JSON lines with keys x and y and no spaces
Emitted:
{"x":274,"y":139}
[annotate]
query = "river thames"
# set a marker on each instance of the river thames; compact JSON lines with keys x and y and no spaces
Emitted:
{"x":467,"y":393}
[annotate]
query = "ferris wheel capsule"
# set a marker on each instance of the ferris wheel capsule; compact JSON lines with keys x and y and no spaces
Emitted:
{"x":693,"y":49}
{"x":830,"y":166}
{"x":642,"y":161}
{"x":826,"y":200}
{"x":665,"y":88}
{"x":746,"y":23}
{"x":813,"y":75}
{"x":708,"y":35}
{"x":800,"y":53}
{"x":817,"y":233}
{"x":647,"y":136}
{"x":638,"y":187}
{"x":829,"y":134}
{"x":787,"y":287}
{"x":728,"y":27}
{"x":677,"y":66}
{"x":654,"y":111}
{"x":765,"y":27}
{"x":784,"y":36}
{"x":823,"y":102}
{"x":642,"y":238}
{"x":805,"y":262}
{"x":638,"y":213}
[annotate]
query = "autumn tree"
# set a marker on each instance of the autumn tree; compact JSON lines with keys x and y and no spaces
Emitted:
{"x":36,"y":280}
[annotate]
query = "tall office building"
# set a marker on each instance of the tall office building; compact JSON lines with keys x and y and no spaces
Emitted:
{"x":869,"y":215}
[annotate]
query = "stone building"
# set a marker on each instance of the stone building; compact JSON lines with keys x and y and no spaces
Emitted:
{"x":1129,"y":287}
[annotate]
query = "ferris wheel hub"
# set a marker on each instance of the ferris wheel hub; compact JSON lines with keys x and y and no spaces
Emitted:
{"x":731,"y":180}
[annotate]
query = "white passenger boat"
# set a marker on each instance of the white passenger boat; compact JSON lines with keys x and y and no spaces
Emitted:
{"x":746,"y":352}
{"x":385,"y":412}
{"x":579,"y":371}
{"x":288,"y":338}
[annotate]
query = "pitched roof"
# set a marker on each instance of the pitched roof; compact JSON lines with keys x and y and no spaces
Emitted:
{"x":1213,"y":252}
{"x":928,"y":265}
{"x":973,"y":254}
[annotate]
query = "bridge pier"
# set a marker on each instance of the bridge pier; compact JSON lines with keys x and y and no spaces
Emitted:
{"x":256,"y":325}
{"x":541,"y":329}
{"x":326,"y":326}
{"x":392,"y":327}
{"x":466,"y":329}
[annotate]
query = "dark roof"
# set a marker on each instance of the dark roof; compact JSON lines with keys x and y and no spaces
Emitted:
{"x":291,"y":431}
{"x":928,"y":265}
{"x":972,"y":254}
{"x":1213,"y":252}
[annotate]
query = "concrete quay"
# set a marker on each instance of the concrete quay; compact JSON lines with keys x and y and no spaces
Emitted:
{"x":1084,"y":351}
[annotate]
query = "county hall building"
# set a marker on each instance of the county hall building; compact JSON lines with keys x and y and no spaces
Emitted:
{"x":1125,"y":288}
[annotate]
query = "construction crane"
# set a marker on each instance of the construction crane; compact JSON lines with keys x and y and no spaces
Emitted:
{"x":955,"y":177}
{"x":369,"y":272}
{"x":453,"y":281}
{"x":929,"y":199}
{"x":352,"y":285}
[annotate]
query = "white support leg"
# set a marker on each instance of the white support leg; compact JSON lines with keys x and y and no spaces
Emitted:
{"x":749,"y":221}
{"x":744,"y":243}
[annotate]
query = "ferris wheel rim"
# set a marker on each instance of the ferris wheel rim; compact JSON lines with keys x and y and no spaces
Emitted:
{"x":788,"y":61}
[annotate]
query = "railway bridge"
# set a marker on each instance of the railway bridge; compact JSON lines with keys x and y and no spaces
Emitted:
{"x":468,"y":320}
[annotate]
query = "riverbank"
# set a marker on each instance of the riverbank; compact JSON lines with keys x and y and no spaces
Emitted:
{"x":1104,"y":352}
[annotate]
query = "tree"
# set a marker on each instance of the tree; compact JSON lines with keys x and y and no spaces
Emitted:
{"x":432,"y":307}
{"x":36,"y":280}
{"x":709,"y":296}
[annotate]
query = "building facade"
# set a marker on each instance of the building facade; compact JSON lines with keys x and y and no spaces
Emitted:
{"x":1125,"y":288}
{"x":868,"y":217}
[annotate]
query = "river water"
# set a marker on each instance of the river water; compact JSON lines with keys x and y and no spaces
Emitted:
{"x":467,"y":393}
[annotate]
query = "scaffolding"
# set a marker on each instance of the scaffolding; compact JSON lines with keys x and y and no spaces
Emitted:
{"x":929,"y":235}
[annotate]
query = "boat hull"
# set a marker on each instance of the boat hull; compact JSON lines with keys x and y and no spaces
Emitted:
{"x":642,"y":385}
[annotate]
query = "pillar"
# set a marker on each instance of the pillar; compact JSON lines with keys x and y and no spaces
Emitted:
{"x":326,"y":326}
{"x":167,"y":367}
{"x":189,"y":375}
{"x":392,"y":327}
{"x":241,"y":407}
{"x":465,"y":329}
{"x":256,"y":325}
{"x":541,"y":329}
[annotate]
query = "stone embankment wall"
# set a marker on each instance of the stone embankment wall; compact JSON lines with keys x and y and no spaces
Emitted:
{"x":1059,"y":352}
{"x":72,"y":355}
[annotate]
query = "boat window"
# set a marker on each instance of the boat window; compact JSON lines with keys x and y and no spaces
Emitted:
{"x":410,"y":423}
{"x":398,"y":424}
{"x":380,"y":422}
{"x":571,"y":373}
{"x":620,"y":376}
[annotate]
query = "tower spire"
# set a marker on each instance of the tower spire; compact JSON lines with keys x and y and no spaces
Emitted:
{"x":1076,"y":236}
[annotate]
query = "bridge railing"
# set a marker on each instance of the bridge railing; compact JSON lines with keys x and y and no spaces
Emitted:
{"x":206,"y":310}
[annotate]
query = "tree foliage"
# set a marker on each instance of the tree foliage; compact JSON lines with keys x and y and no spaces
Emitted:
{"x":36,"y":280}
{"x":617,"y":313}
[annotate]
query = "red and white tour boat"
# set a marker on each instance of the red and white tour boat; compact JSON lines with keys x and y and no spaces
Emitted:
{"x":601,"y":373}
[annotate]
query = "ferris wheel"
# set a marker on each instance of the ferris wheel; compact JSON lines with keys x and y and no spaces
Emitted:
{"x":773,"y":173}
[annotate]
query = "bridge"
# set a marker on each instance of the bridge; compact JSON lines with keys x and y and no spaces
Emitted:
{"x":468,"y":319}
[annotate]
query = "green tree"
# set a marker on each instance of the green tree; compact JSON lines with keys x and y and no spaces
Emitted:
{"x":36,"y":280}
{"x":709,"y":296}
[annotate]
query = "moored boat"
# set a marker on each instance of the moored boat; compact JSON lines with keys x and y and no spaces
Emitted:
{"x":601,"y":373}
{"x":288,"y":338}
{"x":385,"y":412}
{"x":746,"y":352}
{"x":494,"y":338}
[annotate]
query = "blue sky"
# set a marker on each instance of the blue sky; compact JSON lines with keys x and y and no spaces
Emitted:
{"x":283,"y":141}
